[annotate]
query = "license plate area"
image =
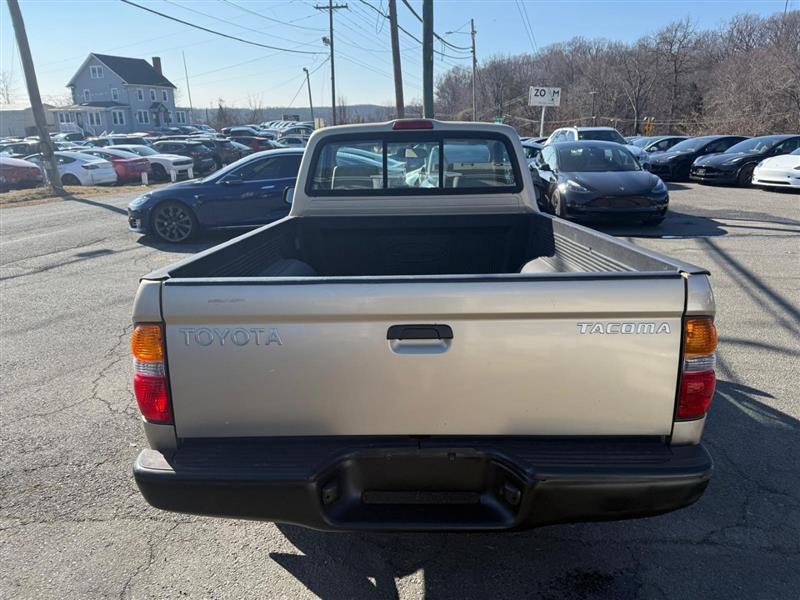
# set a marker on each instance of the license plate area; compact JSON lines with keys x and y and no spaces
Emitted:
{"x":422,"y":489}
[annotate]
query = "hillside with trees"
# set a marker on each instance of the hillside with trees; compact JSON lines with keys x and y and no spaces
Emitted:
{"x":741,"y":79}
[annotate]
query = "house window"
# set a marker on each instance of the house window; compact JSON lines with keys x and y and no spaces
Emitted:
{"x":164,"y":95}
{"x":181,"y":117}
{"x":169,"y":116}
{"x":140,"y":94}
{"x":86,"y":95}
{"x":96,"y":72}
{"x":118,"y":117}
{"x":114,"y":94}
{"x":95,"y":119}
{"x":142,"y":117}
{"x":62,"y":118}
{"x":153,"y":95}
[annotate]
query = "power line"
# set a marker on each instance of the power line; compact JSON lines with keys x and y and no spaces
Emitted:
{"x":526,"y":25}
{"x":220,"y":19}
{"x":303,"y":83}
{"x":219,"y":33}
{"x":381,"y":52}
{"x":436,"y":35}
{"x":297,"y":93}
{"x":288,"y":23}
{"x":357,"y":29}
{"x":408,"y":33}
{"x":528,"y":21}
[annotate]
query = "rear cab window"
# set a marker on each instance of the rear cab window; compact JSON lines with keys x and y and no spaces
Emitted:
{"x":413,"y":163}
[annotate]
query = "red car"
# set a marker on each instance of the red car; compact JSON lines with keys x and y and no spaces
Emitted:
{"x":128,"y":166}
{"x":256,"y":144}
{"x":16,"y":173}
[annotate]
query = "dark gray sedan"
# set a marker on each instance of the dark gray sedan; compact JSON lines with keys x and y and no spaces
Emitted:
{"x":592,"y":180}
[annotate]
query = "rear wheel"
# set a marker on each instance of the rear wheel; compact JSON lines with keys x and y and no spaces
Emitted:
{"x":745,"y":175}
{"x":174,"y":222}
{"x":70,"y":179}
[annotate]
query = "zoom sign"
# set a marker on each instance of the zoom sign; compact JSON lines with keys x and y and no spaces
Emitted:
{"x":544,"y":96}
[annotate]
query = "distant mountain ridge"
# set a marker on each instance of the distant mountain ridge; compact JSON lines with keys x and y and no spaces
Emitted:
{"x":352,"y":112}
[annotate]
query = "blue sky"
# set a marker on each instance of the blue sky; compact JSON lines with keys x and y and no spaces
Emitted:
{"x":63,"y":32}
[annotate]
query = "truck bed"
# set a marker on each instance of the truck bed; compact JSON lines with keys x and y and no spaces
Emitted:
{"x":375,"y":246}
{"x":308,"y":303}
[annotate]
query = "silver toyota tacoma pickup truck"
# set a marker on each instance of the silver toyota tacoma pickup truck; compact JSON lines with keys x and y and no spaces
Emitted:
{"x":417,"y":347}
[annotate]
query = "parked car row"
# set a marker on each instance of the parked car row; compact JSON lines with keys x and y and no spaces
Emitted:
{"x":182,"y":152}
{"x":729,"y":159}
{"x":737,"y":163}
{"x":589,"y":173}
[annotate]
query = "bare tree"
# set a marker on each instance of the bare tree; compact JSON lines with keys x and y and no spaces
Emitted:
{"x":637,"y":74}
{"x":743,"y":77}
{"x":223,"y":116}
{"x":7,"y":87}
{"x":675,"y":44}
{"x":256,"y":112}
{"x":341,"y":110}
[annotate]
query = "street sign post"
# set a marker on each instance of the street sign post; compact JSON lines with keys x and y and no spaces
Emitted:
{"x":544,"y":97}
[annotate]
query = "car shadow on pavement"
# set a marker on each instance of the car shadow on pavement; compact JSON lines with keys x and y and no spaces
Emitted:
{"x":749,"y":515}
{"x":675,"y":225}
{"x":95,"y":203}
{"x":674,"y":185}
{"x":199,"y":243}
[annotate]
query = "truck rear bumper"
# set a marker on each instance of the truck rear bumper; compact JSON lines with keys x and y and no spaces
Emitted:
{"x":424,"y":484}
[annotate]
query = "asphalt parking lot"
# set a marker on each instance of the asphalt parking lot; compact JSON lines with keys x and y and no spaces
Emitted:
{"x":73,"y":525}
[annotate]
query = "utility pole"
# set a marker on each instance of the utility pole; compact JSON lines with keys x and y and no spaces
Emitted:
{"x":188,"y":89}
{"x":45,"y":144}
{"x":398,"y":73}
{"x":474,"y":70}
{"x":594,"y":116}
{"x":310,"y":103}
{"x":427,"y":59}
{"x":330,"y":8}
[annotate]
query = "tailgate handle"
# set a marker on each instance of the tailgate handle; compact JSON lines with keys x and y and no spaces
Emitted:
{"x":419,"y":332}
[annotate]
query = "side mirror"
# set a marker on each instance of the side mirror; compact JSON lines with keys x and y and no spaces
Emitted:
{"x":288,"y":195}
{"x":544,"y":167}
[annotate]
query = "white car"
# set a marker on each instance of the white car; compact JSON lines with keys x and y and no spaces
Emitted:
{"x":603,"y":134}
{"x":292,"y":141}
{"x":161,"y":164}
{"x":779,"y":171}
{"x":80,"y":169}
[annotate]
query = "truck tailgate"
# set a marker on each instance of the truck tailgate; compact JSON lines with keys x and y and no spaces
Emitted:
{"x":557,"y":356}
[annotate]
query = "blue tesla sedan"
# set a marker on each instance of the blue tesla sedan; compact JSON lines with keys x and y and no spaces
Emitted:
{"x":246,"y":193}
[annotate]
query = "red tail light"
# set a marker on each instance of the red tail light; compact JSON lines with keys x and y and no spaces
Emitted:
{"x":412,"y":124}
{"x":698,"y":380}
{"x":150,"y":379}
{"x":151,"y":395}
{"x":697,"y":390}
